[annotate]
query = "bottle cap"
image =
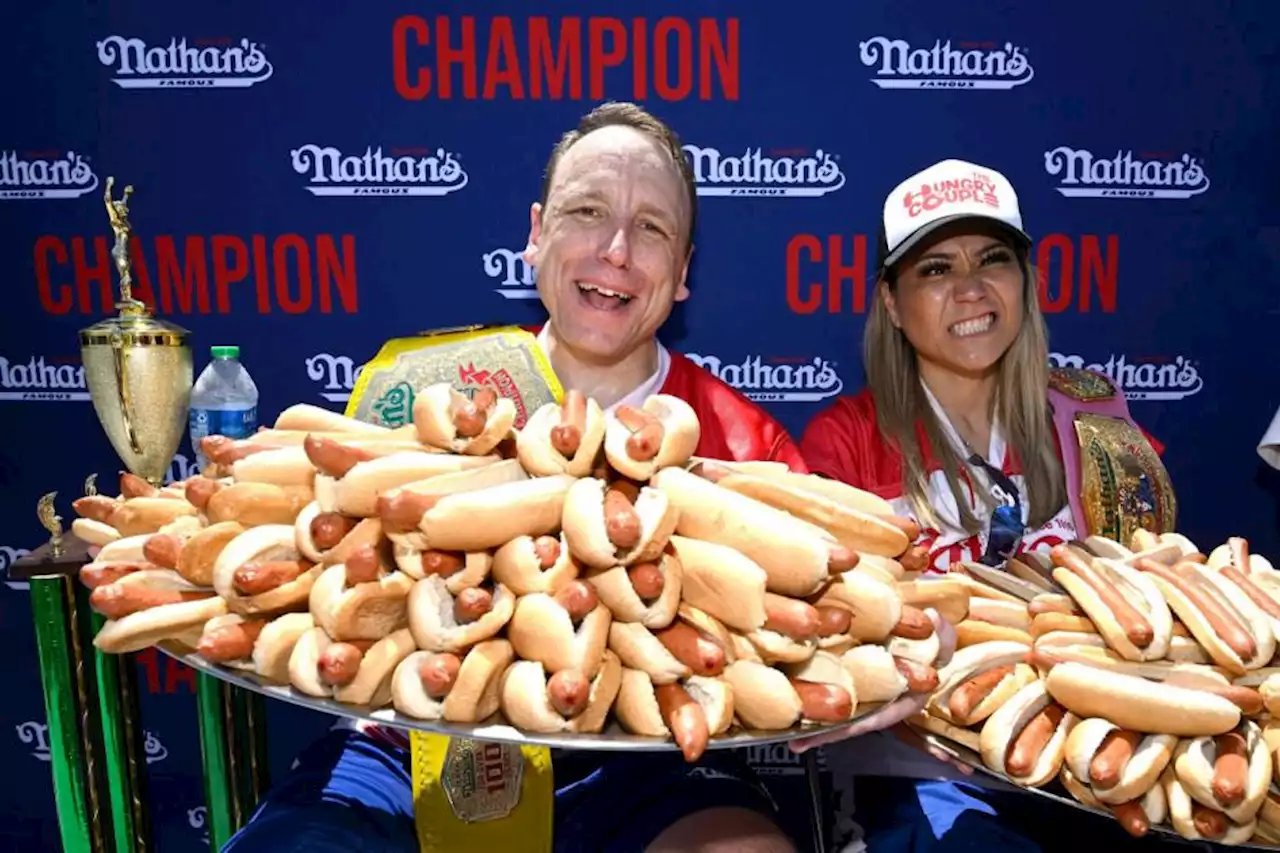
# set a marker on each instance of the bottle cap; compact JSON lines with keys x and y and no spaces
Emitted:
{"x":224,"y":352}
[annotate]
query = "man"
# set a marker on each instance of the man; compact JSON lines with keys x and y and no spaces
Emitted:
{"x":611,"y":239}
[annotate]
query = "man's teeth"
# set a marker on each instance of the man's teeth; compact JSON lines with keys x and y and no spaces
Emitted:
{"x":973,"y":327}
{"x":604,"y":291}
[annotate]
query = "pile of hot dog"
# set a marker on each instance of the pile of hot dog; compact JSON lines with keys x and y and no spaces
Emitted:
{"x":583,"y":567}
{"x":1142,"y":678}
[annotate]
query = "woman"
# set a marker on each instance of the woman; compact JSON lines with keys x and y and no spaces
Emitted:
{"x":964,"y":428}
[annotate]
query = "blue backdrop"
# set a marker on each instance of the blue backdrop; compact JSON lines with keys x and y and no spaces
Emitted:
{"x":313,"y":180}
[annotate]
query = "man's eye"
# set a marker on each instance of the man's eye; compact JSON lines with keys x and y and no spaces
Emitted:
{"x":585,"y":210}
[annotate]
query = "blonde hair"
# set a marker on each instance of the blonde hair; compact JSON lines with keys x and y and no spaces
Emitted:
{"x":1021,"y":407}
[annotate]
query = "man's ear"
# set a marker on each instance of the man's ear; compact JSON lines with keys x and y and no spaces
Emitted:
{"x":885,"y":293}
{"x":535,"y":233}
{"x":682,"y":286}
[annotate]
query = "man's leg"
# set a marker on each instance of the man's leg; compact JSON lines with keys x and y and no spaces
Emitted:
{"x":348,"y":793}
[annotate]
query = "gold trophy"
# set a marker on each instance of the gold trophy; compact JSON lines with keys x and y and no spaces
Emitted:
{"x":138,"y":369}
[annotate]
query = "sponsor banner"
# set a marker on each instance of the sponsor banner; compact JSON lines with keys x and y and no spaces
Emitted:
{"x":39,"y":380}
{"x":945,"y":65}
{"x":395,"y":172}
{"x":1162,"y":378}
{"x":514,"y":275}
{"x":1082,"y":174}
{"x":8,"y":556}
{"x":776,"y":379}
{"x":45,"y":175}
{"x":35,"y":735}
{"x":336,"y":373}
{"x":779,"y":173}
{"x":204,"y":63}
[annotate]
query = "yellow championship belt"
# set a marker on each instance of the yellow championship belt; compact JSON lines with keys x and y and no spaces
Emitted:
{"x":469,"y":796}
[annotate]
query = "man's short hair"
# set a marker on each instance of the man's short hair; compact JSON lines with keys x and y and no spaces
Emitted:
{"x":638,"y":118}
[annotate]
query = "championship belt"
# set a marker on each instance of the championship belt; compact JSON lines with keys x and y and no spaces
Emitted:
{"x":469,"y":796}
{"x":1116,"y":481}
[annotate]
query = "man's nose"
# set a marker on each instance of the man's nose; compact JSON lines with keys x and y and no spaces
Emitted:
{"x":617,"y":250}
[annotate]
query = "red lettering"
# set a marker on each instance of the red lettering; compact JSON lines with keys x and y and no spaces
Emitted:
{"x":287,"y":301}
{"x":99,"y":272}
{"x":597,"y":58}
{"x":1060,"y":244}
{"x":339,"y":270}
{"x":854,"y":272}
{"x":47,"y":245}
{"x":142,"y":289}
{"x":502,"y":52}
{"x":259,"y":244}
{"x":795,"y":301}
{"x":177,"y":673}
{"x":182,"y":280}
{"x":419,"y":86}
{"x":568,"y":58}
{"x":1094,"y":270}
{"x":639,"y":59}
{"x":225,"y":273}
{"x":447,"y":56}
{"x":712,"y":48}
{"x":149,"y":662}
{"x":684,"y":59}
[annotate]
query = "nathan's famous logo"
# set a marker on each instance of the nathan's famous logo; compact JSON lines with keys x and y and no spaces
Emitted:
{"x":967,"y":65}
{"x":338,"y":373}
{"x":36,"y":379}
{"x":198,"y":818}
{"x":42,"y":175}
{"x":220,"y":63}
{"x":1142,"y":379}
{"x":778,"y":380}
{"x":516,"y":277}
{"x":1084,"y":175}
{"x":402,"y":171}
{"x":181,"y":468}
{"x":394,"y":406}
{"x":754,"y":173}
{"x":36,"y":735}
{"x":8,"y":556}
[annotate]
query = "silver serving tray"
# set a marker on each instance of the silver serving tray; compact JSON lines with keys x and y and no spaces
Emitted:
{"x":967,"y":756}
{"x":612,"y":738}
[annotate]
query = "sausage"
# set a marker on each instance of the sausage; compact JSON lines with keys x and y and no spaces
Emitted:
{"x":713,"y":471}
{"x":257,"y":578}
{"x":1132,"y":622}
{"x":1194,"y":557}
{"x":1051,"y":603}
{"x":117,"y":600}
{"x":647,"y":433}
{"x":693,"y":649}
{"x":621,"y":521}
{"x":647,"y":580}
{"x":546,"y":549}
{"x":1223,"y":621}
{"x":230,"y":642}
{"x":133,"y":486}
{"x":162,"y":549}
{"x":469,"y":419}
{"x":790,"y":617}
{"x":438,"y":673}
{"x":200,"y":489}
{"x":578,"y":598}
{"x":833,"y":621}
{"x":840,"y":559}
{"x":1260,"y":599}
{"x":968,"y":695}
{"x":1209,"y":823}
{"x":915,"y":559}
{"x":402,"y":512}
{"x":340,"y":662}
{"x":823,"y":703}
{"x":568,"y":691}
{"x":94,"y":576}
{"x":96,"y":507}
{"x":442,"y":563}
{"x":914,"y":624}
{"x":328,"y":529}
{"x":685,"y":718}
{"x":224,"y":451}
{"x":1031,"y":741}
{"x":1111,"y":758}
{"x":362,"y":565}
{"x":906,"y":525}
{"x":471,"y":604}
{"x":331,"y":457}
{"x":1238,"y":547}
{"x":566,"y":436}
{"x":921,"y":678}
{"x":1230,"y":768}
{"x":1247,"y":699}
{"x":1132,"y":818}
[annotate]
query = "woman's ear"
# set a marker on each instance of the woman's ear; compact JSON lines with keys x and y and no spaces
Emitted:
{"x":885,"y":293}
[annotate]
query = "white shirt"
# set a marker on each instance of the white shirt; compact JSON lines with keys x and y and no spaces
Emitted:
{"x":1269,"y":447}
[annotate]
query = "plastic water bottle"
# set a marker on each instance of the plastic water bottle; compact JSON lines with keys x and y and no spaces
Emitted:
{"x":224,"y":400}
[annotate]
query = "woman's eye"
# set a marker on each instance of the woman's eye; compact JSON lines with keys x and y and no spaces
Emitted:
{"x":934,"y":270}
{"x":998,"y":257}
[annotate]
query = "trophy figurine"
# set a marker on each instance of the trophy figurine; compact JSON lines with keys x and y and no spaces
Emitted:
{"x":137,"y":368}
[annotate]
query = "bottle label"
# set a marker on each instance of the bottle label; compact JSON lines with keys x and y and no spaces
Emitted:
{"x":233,"y":423}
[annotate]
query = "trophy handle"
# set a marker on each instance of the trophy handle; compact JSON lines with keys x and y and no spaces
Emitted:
{"x":118,"y":353}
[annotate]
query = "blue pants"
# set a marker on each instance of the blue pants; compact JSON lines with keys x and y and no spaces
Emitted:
{"x":350,"y":793}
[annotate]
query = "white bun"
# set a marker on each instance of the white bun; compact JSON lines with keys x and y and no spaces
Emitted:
{"x":487,"y":518}
{"x":1002,"y":728}
{"x":614,"y":588}
{"x":721,"y":581}
{"x":1140,"y":590}
{"x":433,"y":412}
{"x":475,"y":693}
{"x":584,"y":526}
{"x":1141,"y":772}
{"x":527,"y":704}
{"x":94,"y":532}
{"x":432,"y":621}
{"x":274,"y":646}
{"x":541,"y":630}
{"x":1134,"y":703}
{"x":266,"y":543}
{"x":1193,"y":763}
{"x":763,"y":697}
{"x":305,"y":417}
{"x":680,"y":437}
{"x":365,"y":611}
{"x":874,"y":673}
{"x":638,"y":648}
{"x":541,"y":459}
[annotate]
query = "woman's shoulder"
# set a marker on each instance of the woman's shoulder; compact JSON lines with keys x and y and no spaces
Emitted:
{"x":848,"y":411}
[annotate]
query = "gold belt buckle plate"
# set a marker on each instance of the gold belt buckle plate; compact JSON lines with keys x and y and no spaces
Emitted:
{"x":482,"y":779}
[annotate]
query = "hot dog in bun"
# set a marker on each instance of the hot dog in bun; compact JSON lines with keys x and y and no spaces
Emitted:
{"x":640,"y":441}
{"x":691,"y":711}
{"x":721,"y":581}
{"x":144,"y":607}
{"x":978,"y":680}
{"x":359,"y":491}
{"x":1137,"y":704}
{"x":444,"y":621}
{"x":329,"y":537}
{"x":817,"y":691}
{"x":103,"y":520}
{"x":875,"y":608}
{"x":647,"y":593}
{"x":619,"y":523}
{"x":1126,"y":606}
{"x":1116,"y":765}
{"x":261,"y":571}
{"x":361,"y":599}
{"x":1136,"y":816}
{"x":1260,"y":585}
{"x":1025,"y":738}
{"x":472,"y":426}
{"x":257,"y":644}
{"x":1197,"y":822}
{"x":564,"y":701}
{"x":562,"y":438}
{"x":194,"y":556}
{"x":566,"y":630}
{"x":458,"y":569}
{"x":255,"y":504}
{"x":357,"y":672}
{"x":878,"y":676}
{"x":460,"y":687}
{"x":1230,"y":773}
{"x":535,"y":564}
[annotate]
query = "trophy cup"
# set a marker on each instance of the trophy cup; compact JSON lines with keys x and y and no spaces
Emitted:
{"x":137,"y":368}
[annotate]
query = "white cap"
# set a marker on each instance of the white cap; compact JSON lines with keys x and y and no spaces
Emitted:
{"x":942,"y":193}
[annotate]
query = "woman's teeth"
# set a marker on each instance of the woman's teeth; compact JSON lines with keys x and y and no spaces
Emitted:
{"x":976,"y":326}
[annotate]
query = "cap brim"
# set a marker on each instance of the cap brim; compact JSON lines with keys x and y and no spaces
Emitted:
{"x":923,"y":231}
